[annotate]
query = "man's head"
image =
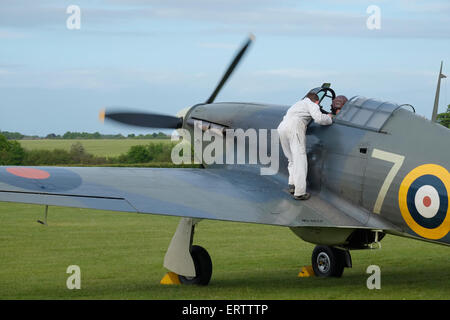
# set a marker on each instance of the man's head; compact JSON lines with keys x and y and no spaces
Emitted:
{"x":313,"y":97}
{"x":338,"y":103}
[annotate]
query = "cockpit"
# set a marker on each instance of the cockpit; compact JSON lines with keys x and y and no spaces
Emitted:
{"x":360,"y":112}
{"x":326,"y":98}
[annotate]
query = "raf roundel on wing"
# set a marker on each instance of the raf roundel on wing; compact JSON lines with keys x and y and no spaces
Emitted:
{"x":40,"y":179}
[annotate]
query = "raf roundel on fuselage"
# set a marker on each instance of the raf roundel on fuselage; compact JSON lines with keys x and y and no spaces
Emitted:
{"x":423,"y":201}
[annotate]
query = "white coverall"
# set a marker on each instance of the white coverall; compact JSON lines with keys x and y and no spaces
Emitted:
{"x":292,"y":132}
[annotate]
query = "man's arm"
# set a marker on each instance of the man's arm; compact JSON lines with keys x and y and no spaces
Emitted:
{"x":317,"y":115}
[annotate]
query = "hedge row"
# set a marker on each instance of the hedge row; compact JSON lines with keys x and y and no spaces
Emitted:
{"x":153,"y":154}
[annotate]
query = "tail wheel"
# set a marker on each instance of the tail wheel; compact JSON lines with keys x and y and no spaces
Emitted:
{"x":328,"y":261}
{"x":203,"y":267}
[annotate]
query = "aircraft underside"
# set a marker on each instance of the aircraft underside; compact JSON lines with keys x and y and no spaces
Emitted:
{"x":192,"y":263}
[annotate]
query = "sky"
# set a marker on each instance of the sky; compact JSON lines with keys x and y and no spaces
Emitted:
{"x":164,"y":55}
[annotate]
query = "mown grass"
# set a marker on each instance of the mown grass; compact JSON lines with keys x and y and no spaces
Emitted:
{"x":121,"y":257}
{"x":98,"y":147}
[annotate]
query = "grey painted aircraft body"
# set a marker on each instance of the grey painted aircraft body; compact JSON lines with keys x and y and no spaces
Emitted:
{"x":342,"y":170}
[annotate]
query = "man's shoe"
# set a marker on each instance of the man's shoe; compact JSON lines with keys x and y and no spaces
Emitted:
{"x":291,"y":189}
{"x":305,"y":196}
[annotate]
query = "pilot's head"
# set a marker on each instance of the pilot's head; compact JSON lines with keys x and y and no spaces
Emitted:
{"x":338,"y":103}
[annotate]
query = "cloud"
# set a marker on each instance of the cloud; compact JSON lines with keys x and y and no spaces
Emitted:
{"x":97,"y":78}
{"x":7,"y":69}
{"x":421,"y":6}
{"x":4,"y":34}
{"x":217,"y":45}
{"x":295,"y":73}
{"x":238,"y":16}
{"x":4,"y":72}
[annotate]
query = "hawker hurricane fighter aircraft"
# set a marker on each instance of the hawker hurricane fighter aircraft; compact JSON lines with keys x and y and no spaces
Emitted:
{"x":378,"y":169}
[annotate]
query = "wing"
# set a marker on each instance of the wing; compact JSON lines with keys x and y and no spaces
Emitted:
{"x":217,"y":194}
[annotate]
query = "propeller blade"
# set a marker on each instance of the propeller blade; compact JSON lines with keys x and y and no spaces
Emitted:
{"x":230,"y":69}
{"x":141,"y":119}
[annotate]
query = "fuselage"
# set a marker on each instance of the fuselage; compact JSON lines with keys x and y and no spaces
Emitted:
{"x":392,"y":173}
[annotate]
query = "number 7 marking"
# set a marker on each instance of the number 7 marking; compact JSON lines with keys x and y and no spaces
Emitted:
{"x":397,"y":159}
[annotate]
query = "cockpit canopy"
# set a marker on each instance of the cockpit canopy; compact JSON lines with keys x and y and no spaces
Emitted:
{"x":366,"y":113}
{"x":360,"y":112}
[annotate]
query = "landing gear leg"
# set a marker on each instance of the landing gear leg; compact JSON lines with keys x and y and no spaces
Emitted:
{"x":192,"y":264}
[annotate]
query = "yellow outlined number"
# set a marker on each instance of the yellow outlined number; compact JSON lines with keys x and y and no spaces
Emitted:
{"x":397,"y":160}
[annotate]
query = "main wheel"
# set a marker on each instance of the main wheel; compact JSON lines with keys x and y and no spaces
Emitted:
{"x":203,"y":267}
{"x":328,"y":261}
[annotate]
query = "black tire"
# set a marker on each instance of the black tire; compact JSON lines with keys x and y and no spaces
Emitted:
{"x":328,"y":261}
{"x":203,"y":267}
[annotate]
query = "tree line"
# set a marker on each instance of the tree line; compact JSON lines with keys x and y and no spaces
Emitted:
{"x":12,"y":153}
{"x":444,"y":118}
{"x":84,"y":135}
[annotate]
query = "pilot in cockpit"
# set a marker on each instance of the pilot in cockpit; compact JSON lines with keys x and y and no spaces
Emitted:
{"x":337,"y":104}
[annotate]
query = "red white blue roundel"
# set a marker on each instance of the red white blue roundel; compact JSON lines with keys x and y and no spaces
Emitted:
{"x":423,"y":201}
{"x":40,"y":179}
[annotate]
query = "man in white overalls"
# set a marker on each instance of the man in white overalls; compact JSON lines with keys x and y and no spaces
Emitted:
{"x":292,"y":132}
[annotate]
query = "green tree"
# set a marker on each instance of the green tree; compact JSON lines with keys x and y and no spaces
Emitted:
{"x":77,"y":152}
{"x":138,"y":154}
{"x":47,"y":157}
{"x":11,"y":152}
{"x":444,"y":118}
{"x":12,"y":135}
{"x":53,"y":136}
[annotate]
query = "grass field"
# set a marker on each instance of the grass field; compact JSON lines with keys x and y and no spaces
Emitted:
{"x":121,"y":257}
{"x":100,"y":147}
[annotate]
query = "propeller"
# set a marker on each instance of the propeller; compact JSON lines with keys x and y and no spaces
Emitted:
{"x":154,"y":120}
{"x":231,"y":68}
{"x":142,"y":119}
